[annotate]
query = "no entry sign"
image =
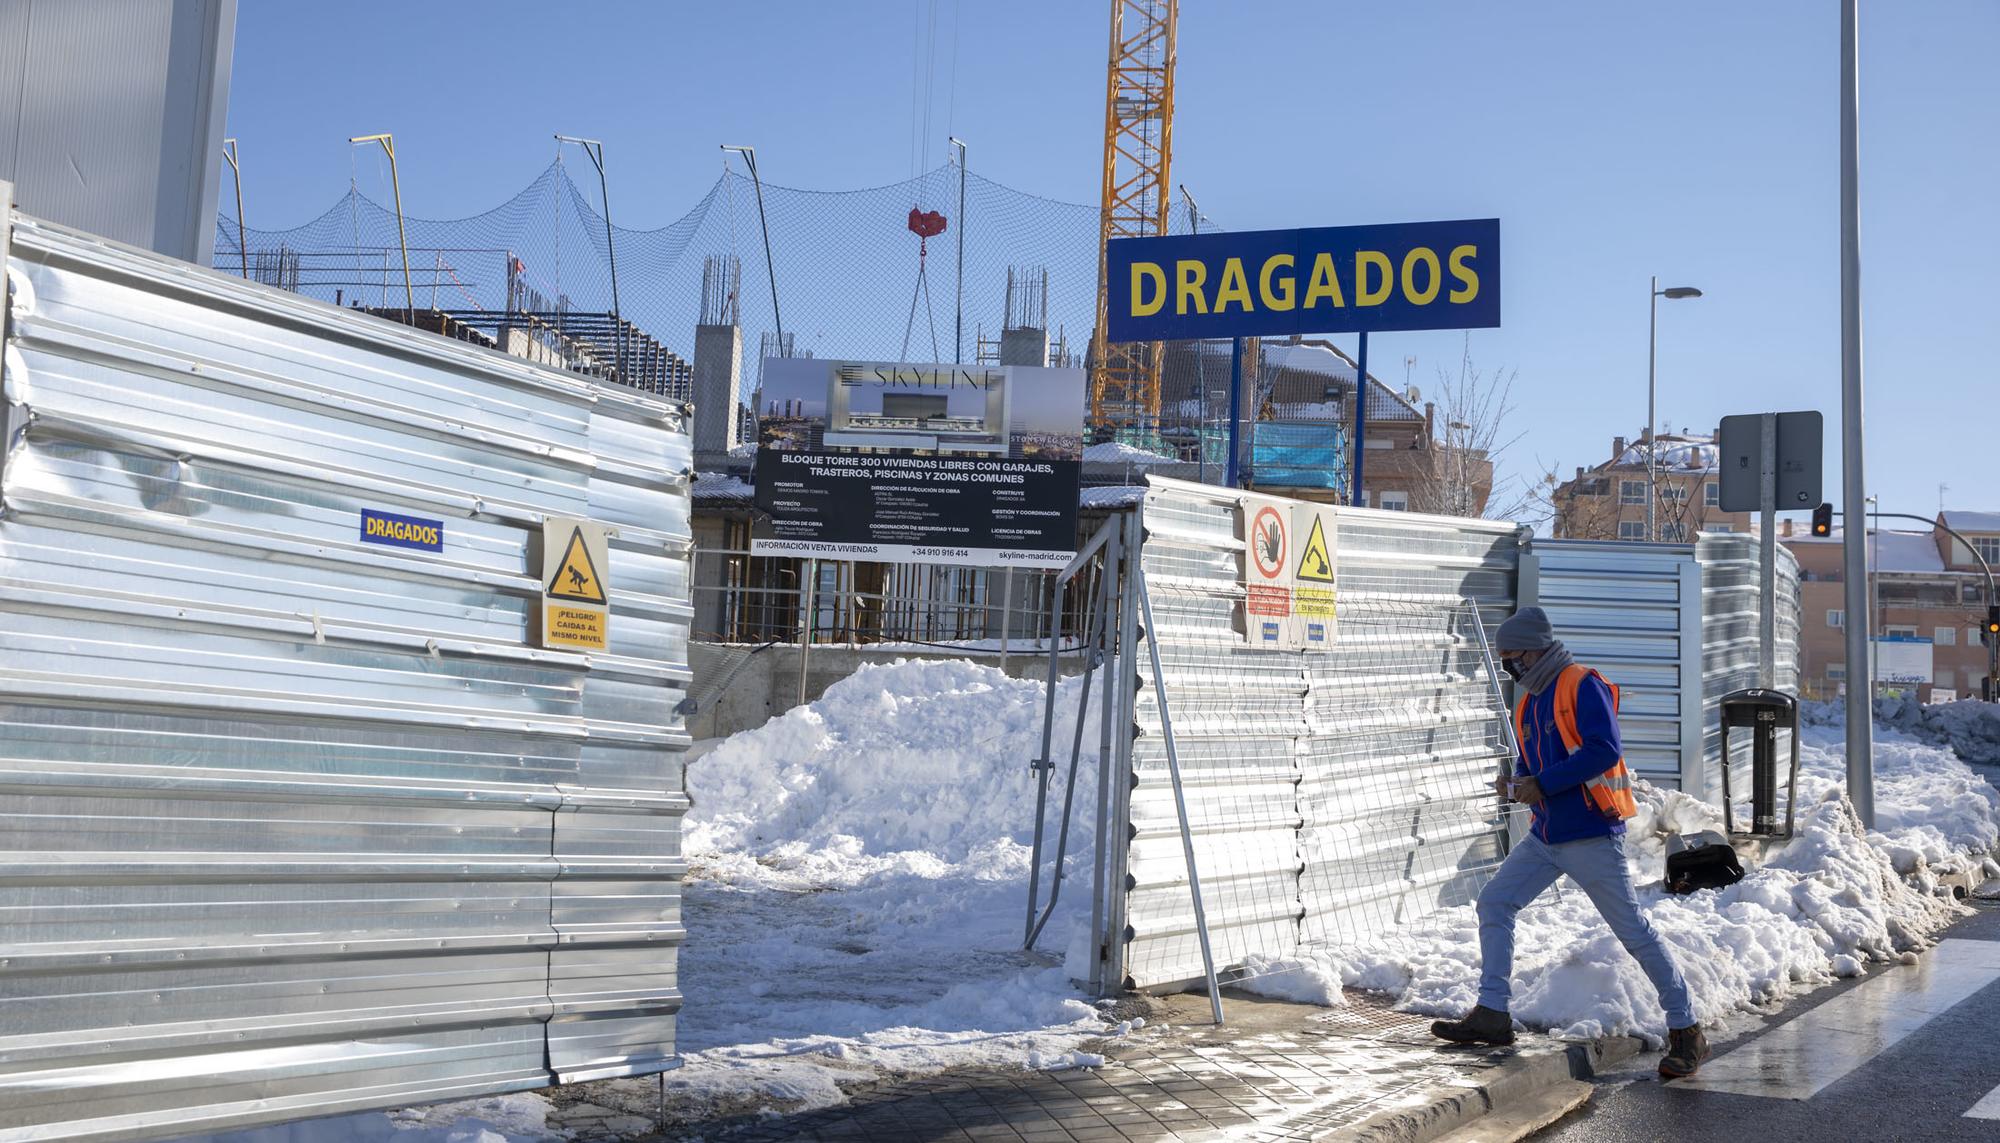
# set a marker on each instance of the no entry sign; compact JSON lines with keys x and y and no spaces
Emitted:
{"x":1266,"y":528}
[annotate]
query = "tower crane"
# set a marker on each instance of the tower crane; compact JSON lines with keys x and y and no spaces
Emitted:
{"x":1138,"y":150}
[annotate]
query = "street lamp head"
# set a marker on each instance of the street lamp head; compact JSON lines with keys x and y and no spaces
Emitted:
{"x":1680,"y":292}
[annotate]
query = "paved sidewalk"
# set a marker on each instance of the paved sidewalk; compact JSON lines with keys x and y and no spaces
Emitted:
{"x":1276,"y":1071}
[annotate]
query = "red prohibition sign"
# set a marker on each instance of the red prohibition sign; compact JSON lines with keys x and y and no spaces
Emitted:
{"x":1267,"y":542}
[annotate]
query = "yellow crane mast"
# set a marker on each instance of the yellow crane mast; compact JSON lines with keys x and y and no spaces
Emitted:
{"x":1138,"y":149}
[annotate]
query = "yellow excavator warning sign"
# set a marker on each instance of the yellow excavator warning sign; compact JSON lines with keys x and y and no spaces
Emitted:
{"x":1315,"y":562}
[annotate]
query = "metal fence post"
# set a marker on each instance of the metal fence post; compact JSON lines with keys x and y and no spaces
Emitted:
{"x":1006,"y":615}
{"x":809,"y":582}
{"x":1138,"y":580}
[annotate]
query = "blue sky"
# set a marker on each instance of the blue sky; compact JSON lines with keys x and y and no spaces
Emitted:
{"x":1697,"y":141}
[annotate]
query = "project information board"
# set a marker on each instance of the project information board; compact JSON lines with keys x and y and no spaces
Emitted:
{"x":911,"y":463}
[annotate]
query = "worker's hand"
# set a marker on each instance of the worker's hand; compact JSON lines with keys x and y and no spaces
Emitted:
{"x":1527,"y":791}
{"x":1500,"y":787}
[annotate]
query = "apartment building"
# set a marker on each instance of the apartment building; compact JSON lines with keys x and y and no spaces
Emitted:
{"x":1608,"y":501}
{"x":1929,"y":597}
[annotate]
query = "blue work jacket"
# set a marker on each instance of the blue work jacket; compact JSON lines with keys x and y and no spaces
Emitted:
{"x":1565,"y":814}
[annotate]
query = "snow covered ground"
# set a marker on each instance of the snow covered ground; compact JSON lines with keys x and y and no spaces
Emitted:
{"x":857,"y":891}
{"x":857,"y":887}
{"x":1824,"y":905}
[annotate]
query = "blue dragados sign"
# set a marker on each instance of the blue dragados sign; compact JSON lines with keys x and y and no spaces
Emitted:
{"x":1331,"y":279}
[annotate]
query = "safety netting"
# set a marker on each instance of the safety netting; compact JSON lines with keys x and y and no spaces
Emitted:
{"x":846,"y":263}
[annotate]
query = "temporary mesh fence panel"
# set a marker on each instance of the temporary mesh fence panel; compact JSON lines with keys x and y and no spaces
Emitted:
{"x":1405,"y":733}
{"x":1330,"y":796}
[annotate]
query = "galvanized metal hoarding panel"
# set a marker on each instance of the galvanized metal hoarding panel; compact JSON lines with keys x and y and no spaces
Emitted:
{"x":1730,"y":576}
{"x":1675,"y":626}
{"x":1634,"y":612}
{"x":293,"y":821}
{"x":1307,"y":802}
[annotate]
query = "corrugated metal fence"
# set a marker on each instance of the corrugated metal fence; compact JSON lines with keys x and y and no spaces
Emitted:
{"x":1675,"y":626}
{"x":291,"y":823}
{"x":1330,"y":794}
{"x":1335,"y":795}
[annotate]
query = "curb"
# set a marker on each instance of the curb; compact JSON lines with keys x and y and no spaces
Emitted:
{"x":1523,"y":1077}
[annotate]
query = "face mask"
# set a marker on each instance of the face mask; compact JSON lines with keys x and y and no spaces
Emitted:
{"x":1513,"y":668}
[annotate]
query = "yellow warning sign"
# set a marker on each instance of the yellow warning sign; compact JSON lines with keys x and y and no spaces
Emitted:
{"x":576,"y":598}
{"x":566,"y":626}
{"x":1315,"y":562}
{"x":1315,"y":600}
{"x":576,"y":577}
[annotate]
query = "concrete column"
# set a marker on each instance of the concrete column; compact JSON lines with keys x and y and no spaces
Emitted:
{"x":1025,"y":346}
{"x":718,"y":372}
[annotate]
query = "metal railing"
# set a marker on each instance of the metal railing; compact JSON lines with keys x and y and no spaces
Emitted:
{"x":742,"y":598}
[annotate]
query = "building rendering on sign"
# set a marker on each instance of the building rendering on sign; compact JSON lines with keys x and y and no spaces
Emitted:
{"x":944,"y":409}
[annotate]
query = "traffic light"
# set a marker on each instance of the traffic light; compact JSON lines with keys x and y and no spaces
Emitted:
{"x":1822,"y":525}
{"x":1993,"y":622}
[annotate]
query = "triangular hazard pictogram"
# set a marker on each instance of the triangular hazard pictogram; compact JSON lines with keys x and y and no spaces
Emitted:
{"x":577,"y":577}
{"x":1315,"y":563}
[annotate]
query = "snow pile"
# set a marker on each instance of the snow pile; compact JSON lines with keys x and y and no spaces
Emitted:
{"x":857,"y":889}
{"x":1118,"y":452}
{"x":1833,"y":899}
{"x":1970,"y":728}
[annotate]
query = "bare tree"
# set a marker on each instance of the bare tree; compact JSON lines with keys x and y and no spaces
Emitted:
{"x":1474,"y":406}
{"x":1683,"y":507}
{"x":1584,"y":508}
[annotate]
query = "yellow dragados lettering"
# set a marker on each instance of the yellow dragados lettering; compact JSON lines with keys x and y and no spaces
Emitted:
{"x":1189,"y":277}
{"x":1143,"y":272}
{"x":1235,"y":287}
{"x":1280,"y":297}
{"x":1365,"y":260}
{"x":1467,"y":276}
{"x":1325,"y":283}
{"x":1421,"y":256}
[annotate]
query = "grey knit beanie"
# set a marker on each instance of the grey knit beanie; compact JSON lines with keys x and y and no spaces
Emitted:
{"x":1526,"y":630}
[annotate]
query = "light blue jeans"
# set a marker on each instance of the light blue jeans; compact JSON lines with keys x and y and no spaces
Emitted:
{"x":1597,"y":864}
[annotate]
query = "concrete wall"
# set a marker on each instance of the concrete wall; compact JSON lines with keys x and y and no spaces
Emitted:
{"x":766,"y":683}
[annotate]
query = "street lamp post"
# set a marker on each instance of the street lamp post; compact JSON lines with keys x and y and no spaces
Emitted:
{"x":1653,"y":397}
{"x":770,"y":269}
{"x":388,"y":143}
{"x":595,"y":150}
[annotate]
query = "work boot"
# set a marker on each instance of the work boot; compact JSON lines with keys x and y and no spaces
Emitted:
{"x":1686,"y":1049}
{"x":1482,"y":1025}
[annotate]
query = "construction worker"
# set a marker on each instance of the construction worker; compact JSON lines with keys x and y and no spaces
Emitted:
{"x":1571,"y":772}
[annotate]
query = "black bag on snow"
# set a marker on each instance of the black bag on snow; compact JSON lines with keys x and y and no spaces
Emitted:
{"x":1702,"y":860}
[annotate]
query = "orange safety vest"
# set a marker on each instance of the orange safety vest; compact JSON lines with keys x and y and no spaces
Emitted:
{"x":1610,"y":793}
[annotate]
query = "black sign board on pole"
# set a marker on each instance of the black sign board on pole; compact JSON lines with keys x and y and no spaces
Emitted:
{"x":1801,"y":445}
{"x":898,"y":463}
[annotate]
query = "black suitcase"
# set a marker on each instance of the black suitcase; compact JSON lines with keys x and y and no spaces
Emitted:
{"x":1703,"y":860}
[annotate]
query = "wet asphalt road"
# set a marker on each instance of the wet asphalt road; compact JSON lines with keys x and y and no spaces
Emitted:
{"x":1922,"y":1043}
